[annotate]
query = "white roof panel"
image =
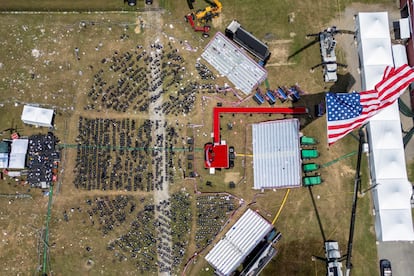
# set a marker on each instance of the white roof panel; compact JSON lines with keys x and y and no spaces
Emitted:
{"x":389,"y":164}
{"x":232,"y":62}
{"x":37,"y":116}
{"x":387,"y":135}
{"x":4,"y":160}
{"x":395,"y":225}
{"x":18,"y":153}
{"x":399,"y":54}
{"x":373,"y":25}
{"x":393,"y":221}
{"x":371,"y":75}
{"x":238,"y":242}
{"x":376,"y":51}
{"x":393,"y":193}
{"x":276,"y":154}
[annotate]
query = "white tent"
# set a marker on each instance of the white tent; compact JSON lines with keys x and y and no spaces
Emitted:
{"x":387,"y":135}
{"x":37,"y":116}
{"x":399,"y":54}
{"x":371,"y":75}
{"x":4,"y":160}
{"x":376,"y":52}
{"x":238,"y":242}
{"x":391,"y":225}
{"x":276,"y":154}
{"x":18,"y":153}
{"x":373,"y":25}
{"x":392,"y":192}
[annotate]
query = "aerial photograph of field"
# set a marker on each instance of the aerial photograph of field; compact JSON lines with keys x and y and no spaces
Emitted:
{"x":206,"y":137}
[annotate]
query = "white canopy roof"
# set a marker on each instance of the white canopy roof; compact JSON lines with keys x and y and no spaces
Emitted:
{"x":371,"y":75}
{"x":376,"y":51}
{"x":238,"y":242}
{"x":276,"y":154}
{"x":4,"y":160}
{"x":391,"y":196}
{"x":388,"y":135}
{"x":37,"y":116}
{"x":18,"y":153}
{"x":392,"y":225}
{"x":399,"y":54}
{"x":373,"y":25}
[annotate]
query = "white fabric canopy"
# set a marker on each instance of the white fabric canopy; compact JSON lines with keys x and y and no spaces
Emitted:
{"x":37,"y":116}
{"x":392,"y":192}
{"x":373,"y":25}
{"x":18,"y":153}
{"x":392,"y":225}
{"x":387,"y":164}
{"x":388,"y":135}
{"x":371,"y":75}
{"x":376,"y":52}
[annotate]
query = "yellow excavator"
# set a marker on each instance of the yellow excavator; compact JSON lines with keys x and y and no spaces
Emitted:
{"x":209,"y":12}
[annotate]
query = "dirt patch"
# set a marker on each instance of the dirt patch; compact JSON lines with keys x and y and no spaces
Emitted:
{"x":217,"y":21}
{"x":140,"y":24}
{"x":232,"y":176}
{"x":280,"y":52}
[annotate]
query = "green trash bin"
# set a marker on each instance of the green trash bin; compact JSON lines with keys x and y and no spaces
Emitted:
{"x":309,"y":153}
{"x":310,"y":167}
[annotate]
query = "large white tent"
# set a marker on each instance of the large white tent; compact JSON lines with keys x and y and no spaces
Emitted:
{"x":18,"y":153}
{"x":238,"y":242}
{"x":392,"y":191}
{"x":232,"y":62}
{"x":37,"y":116}
{"x":276,"y":154}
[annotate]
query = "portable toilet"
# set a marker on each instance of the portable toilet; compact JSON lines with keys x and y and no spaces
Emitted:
{"x":258,"y":98}
{"x":312,"y":180}
{"x":270,"y":97}
{"x":306,"y":141}
{"x":310,"y":167}
{"x":309,"y":153}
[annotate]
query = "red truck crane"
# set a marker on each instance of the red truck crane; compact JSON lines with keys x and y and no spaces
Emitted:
{"x":204,"y":29}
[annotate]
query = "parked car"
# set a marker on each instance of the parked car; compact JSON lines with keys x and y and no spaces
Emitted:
{"x":232,"y":155}
{"x":385,"y":267}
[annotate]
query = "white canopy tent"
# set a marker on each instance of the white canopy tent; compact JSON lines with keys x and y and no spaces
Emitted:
{"x":392,"y":192}
{"x":37,"y":116}
{"x":238,"y":242}
{"x":18,"y":153}
{"x":373,"y":25}
{"x":376,"y":52}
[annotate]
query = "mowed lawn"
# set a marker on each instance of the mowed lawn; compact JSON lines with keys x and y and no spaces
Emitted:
{"x":266,"y":19}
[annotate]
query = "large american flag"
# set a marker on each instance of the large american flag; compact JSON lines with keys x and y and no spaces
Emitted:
{"x":348,"y":111}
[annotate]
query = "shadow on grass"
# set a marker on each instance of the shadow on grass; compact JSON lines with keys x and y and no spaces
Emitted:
{"x":312,"y":101}
{"x":343,"y":84}
{"x":295,"y":258}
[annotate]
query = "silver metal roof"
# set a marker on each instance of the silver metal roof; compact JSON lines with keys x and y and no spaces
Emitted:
{"x":238,"y":242}
{"x":234,"y":63}
{"x":276,"y":154}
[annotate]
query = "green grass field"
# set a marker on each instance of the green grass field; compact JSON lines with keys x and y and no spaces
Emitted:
{"x":39,"y":66}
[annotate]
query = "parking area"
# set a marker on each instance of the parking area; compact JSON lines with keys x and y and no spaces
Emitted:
{"x":401,"y":255}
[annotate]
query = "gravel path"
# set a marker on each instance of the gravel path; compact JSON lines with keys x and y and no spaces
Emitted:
{"x":164,"y":241}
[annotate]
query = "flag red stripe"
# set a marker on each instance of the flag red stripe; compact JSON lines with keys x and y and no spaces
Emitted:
{"x":386,"y":92}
